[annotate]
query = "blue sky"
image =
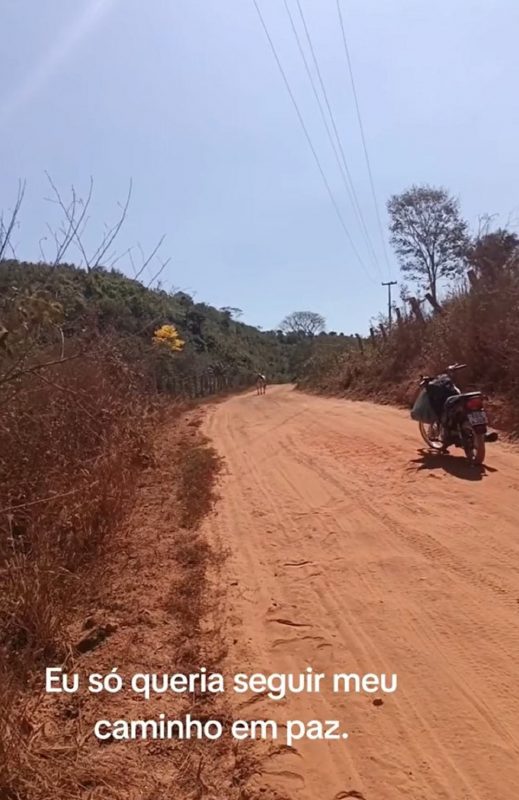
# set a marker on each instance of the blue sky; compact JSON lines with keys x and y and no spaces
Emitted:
{"x":185,"y":98}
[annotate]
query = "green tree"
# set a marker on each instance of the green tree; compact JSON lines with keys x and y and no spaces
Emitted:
{"x":428,"y":235}
{"x":303,"y":323}
{"x":491,"y":253}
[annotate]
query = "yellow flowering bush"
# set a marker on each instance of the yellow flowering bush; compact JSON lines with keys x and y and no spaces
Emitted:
{"x":168,"y":336}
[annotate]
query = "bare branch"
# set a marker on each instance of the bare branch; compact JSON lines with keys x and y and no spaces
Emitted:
{"x":75,"y":224}
{"x":117,"y":258}
{"x":42,"y":252}
{"x":6,"y":231}
{"x":27,"y":370}
{"x":68,"y":390}
{"x":152,"y":254}
{"x":52,"y":497}
{"x":132,"y":262}
{"x":112,"y":233}
{"x":160,"y":271}
{"x":71,"y":233}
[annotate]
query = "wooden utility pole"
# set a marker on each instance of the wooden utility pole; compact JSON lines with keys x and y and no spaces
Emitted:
{"x":389,"y":284}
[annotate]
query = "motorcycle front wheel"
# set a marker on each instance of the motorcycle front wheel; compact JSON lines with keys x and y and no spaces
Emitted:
{"x":430,"y":433}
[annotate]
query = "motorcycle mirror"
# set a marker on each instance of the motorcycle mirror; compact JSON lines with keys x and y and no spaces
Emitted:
{"x":454,"y":367}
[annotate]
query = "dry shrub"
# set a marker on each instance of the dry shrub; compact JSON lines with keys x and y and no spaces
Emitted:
{"x":71,"y":439}
{"x":478,"y":328}
{"x":199,"y":467}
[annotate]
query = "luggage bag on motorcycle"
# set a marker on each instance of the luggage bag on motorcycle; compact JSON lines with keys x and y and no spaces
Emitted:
{"x":422,"y":411}
{"x":438,"y":391}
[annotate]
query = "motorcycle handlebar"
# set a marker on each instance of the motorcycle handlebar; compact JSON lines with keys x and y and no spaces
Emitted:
{"x":450,"y":368}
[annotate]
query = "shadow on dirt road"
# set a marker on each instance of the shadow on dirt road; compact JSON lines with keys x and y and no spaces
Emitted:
{"x":454,"y":465}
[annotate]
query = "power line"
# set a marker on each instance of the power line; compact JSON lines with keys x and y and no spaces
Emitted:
{"x":309,"y":140}
{"x":343,"y":167}
{"x":361,"y":128}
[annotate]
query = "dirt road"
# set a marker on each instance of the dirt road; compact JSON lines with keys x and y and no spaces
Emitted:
{"x":352,"y":552}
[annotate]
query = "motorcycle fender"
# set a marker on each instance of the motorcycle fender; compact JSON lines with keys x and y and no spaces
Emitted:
{"x":480,"y":429}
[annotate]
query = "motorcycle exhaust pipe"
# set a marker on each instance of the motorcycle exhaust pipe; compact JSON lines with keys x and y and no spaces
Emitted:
{"x":491,"y":437}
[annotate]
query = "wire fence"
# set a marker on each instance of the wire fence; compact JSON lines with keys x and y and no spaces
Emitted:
{"x":206,"y":384}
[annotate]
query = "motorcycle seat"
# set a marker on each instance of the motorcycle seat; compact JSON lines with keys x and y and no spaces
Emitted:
{"x":457,"y":397}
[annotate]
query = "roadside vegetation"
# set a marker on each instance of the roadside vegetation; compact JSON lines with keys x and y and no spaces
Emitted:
{"x":459,"y":302}
{"x":90,"y":362}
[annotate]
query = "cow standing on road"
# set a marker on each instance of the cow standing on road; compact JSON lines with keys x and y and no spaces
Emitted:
{"x":261,"y":384}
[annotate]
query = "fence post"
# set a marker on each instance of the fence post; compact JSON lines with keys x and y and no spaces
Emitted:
{"x":434,"y":303}
{"x":473,"y":278}
{"x":415,"y":305}
{"x":359,"y":342}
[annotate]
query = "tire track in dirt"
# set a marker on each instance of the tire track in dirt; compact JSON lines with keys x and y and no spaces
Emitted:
{"x":424,"y":542}
{"x":271,"y":600}
{"x":370,"y":564}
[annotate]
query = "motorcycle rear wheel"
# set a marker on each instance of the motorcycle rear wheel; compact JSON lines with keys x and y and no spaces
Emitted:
{"x":430,"y":433}
{"x":476,"y":449}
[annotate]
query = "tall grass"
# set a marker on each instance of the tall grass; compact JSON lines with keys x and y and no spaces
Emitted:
{"x":71,"y":439}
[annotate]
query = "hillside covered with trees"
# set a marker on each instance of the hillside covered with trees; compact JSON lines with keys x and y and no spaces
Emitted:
{"x":99,"y":305}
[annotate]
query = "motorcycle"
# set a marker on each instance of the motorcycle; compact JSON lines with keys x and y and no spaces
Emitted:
{"x":448,"y":417}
